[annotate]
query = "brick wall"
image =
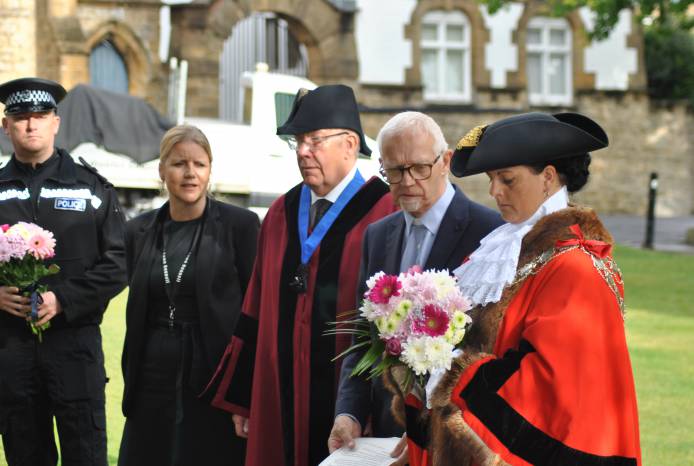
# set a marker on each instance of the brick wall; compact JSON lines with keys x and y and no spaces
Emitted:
{"x":18,"y":39}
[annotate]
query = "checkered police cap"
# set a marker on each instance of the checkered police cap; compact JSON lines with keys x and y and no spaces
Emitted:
{"x":30,"y":95}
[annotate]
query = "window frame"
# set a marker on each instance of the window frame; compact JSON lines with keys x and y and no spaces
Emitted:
{"x":545,"y":49}
{"x":441,"y":19}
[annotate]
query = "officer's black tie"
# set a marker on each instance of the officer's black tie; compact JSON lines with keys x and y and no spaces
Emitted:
{"x":318,"y":209}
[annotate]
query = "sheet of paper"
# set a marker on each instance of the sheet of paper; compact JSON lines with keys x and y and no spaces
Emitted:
{"x":367,"y":452}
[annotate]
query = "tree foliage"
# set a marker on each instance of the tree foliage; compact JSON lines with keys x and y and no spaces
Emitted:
{"x":669,"y":62}
{"x":607,"y":11}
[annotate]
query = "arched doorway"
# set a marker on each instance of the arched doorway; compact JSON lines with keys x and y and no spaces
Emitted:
{"x":261,"y":37}
{"x":118,"y":59}
{"x":107,"y":68}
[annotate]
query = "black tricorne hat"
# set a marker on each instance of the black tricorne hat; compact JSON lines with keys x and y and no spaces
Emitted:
{"x":526,"y":139}
{"x":27,"y":95}
{"x":329,"y":106}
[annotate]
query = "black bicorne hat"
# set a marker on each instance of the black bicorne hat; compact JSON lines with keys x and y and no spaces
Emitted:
{"x":330,"y":106}
{"x":27,"y":95}
{"x":526,"y":139}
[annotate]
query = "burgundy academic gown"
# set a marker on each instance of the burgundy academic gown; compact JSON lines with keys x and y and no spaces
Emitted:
{"x":277,"y":369}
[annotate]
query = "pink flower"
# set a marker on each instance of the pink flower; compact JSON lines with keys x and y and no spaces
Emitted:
{"x":17,"y":246}
{"x":393,"y":347}
{"x":5,"y":250}
{"x":434,"y":321}
{"x":385,"y":287}
{"x":5,"y":227}
{"x":414,"y":269}
{"x":41,"y":244}
{"x":457,"y":302}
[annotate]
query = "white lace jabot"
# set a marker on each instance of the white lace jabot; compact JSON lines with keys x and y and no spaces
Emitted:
{"x":493,"y":265}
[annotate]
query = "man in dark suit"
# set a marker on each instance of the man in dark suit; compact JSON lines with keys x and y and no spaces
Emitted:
{"x":437,"y":228}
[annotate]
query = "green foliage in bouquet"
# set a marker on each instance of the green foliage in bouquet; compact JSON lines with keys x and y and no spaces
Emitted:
{"x":366,"y":336}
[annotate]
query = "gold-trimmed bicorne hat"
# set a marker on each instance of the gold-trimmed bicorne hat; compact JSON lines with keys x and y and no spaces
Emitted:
{"x":526,"y":139}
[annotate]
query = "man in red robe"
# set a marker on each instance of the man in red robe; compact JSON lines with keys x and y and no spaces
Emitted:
{"x":277,"y":376}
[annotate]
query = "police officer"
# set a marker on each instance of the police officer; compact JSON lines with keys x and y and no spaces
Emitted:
{"x":63,"y":375}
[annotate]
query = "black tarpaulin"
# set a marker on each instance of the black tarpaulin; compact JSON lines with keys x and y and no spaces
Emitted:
{"x":120,"y":123}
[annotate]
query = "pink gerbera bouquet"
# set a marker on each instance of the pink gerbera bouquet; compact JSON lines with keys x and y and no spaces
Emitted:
{"x":23,"y":249}
{"x":419,"y":318}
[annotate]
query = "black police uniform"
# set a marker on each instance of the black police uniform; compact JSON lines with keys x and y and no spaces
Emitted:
{"x":63,"y":376}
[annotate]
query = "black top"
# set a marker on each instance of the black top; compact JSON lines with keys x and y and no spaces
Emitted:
{"x":177,"y":238}
{"x":34,"y":176}
{"x":222,"y":266}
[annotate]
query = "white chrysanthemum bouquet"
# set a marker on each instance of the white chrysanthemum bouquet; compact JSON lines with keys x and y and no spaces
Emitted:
{"x":419,"y":319}
{"x":23,"y":249}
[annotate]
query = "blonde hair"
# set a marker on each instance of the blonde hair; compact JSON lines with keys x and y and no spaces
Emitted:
{"x":183,"y":133}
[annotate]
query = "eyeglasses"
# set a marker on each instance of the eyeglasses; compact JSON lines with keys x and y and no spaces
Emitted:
{"x":312,"y":143}
{"x":418,"y":171}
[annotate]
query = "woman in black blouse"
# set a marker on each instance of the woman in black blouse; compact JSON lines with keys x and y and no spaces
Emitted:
{"x":188,"y":267}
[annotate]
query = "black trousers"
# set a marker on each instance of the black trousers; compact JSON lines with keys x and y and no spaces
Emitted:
{"x":62,"y":377}
{"x":168,"y":425}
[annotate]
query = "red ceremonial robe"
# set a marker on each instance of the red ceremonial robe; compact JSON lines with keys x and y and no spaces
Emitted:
{"x":277,"y":369}
{"x":546,"y":377}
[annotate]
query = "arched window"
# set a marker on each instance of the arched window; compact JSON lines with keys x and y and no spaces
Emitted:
{"x":262,"y":37}
{"x":107,"y":69}
{"x":446,"y":48}
{"x":548,"y":62}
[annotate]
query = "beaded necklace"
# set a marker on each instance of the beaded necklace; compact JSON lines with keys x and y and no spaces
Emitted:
{"x":171,"y":290}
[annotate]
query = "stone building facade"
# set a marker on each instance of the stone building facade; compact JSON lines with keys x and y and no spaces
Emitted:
{"x":448,"y":58}
{"x":54,"y":38}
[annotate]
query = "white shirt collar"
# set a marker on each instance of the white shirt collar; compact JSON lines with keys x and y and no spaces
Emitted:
{"x":337,"y":190}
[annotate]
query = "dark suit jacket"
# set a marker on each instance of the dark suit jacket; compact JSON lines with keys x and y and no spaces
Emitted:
{"x":464,"y":224}
{"x":224,"y":260}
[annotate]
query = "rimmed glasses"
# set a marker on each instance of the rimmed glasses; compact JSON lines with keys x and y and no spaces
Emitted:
{"x":418,"y":171}
{"x":312,"y":143}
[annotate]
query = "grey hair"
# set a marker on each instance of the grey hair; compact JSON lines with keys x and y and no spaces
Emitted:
{"x":356,"y":135}
{"x":408,"y":121}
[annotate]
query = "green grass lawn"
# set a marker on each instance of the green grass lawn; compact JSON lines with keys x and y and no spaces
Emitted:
{"x":660,"y":331}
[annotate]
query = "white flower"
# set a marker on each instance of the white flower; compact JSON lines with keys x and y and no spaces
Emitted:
{"x":424,"y":354}
{"x":439,"y":353}
{"x":420,"y":367}
{"x":414,"y":355}
{"x":367,"y":309}
{"x":444,"y":283}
